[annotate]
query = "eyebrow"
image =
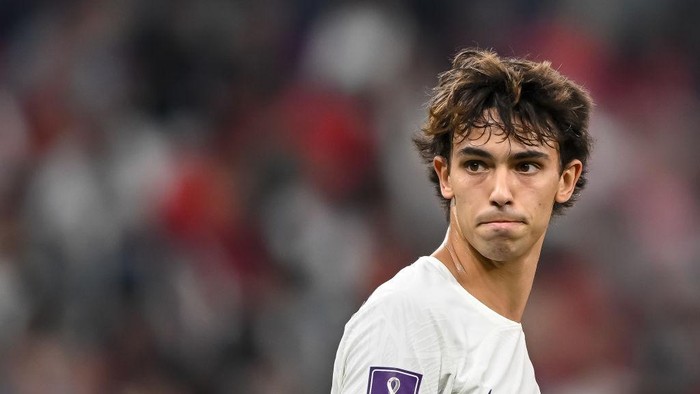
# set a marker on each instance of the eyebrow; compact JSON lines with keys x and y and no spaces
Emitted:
{"x":523,"y":155}
{"x":529,"y":154}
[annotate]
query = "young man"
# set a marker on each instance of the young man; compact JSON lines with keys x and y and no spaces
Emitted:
{"x":507,"y":143}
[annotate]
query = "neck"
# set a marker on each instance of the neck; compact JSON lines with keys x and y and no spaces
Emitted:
{"x":503,"y":286}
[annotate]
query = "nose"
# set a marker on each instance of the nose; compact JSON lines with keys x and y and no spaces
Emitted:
{"x":501,"y":194}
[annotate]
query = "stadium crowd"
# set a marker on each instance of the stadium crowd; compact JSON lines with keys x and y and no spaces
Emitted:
{"x":196,"y":195}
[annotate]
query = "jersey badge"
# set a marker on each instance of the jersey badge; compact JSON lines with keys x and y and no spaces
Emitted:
{"x":385,"y":380}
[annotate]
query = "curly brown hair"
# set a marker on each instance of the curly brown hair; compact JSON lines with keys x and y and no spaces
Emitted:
{"x":530,"y":101}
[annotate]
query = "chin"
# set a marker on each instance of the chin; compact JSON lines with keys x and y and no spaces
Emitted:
{"x":501,"y":257}
{"x":500,"y":251}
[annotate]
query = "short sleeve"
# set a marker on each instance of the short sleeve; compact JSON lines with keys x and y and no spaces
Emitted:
{"x":390,"y":345}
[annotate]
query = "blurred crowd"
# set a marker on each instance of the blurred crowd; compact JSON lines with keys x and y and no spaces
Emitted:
{"x":196,"y":195}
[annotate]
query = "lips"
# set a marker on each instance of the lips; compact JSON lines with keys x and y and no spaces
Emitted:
{"x":500,"y":219}
{"x":501,"y":227}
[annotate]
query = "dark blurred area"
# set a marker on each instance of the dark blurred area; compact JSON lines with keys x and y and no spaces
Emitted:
{"x":196,"y":195}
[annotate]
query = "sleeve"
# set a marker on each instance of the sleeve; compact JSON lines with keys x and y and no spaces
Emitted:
{"x":389,"y":346}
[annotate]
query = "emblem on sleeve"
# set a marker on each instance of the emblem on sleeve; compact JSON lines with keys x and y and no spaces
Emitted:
{"x":385,"y":380}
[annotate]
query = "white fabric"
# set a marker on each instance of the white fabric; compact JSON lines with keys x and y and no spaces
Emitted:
{"x":424,"y":322}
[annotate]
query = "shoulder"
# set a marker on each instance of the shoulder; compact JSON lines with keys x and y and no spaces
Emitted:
{"x":424,"y":300}
{"x":401,"y":325}
{"x":415,"y":287}
{"x":415,"y":298}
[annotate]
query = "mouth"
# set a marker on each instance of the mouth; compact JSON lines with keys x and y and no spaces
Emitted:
{"x":499,"y":221}
{"x":501,"y":225}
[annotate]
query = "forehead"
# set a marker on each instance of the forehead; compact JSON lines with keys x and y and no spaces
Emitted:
{"x":493,"y":138}
{"x":489,"y":129}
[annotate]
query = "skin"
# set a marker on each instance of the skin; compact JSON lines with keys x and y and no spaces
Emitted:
{"x":502,"y":194}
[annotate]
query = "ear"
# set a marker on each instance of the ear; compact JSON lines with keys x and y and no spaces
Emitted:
{"x":567,"y":180}
{"x":442,"y":169}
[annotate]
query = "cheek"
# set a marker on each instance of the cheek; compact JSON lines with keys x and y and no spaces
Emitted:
{"x":547,"y":188}
{"x":542,"y":196}
{"x":470,"y":199}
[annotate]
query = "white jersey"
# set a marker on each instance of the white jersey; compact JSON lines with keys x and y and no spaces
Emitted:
{"x":421,"y":332}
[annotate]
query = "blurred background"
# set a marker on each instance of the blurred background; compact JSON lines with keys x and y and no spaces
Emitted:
{"x":196,"y":195}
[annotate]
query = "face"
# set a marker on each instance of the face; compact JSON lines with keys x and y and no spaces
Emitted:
{"x":502,"y":192}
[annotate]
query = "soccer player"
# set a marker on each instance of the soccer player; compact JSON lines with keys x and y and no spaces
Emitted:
{"x":506,"y":142}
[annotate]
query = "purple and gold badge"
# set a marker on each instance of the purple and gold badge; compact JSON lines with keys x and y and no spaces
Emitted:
{"x":385,"y":380}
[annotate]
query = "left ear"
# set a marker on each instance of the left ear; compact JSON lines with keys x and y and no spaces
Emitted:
{"x":567,"y":180}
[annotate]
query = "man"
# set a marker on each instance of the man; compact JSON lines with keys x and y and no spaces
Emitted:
{"x":507,"y":143}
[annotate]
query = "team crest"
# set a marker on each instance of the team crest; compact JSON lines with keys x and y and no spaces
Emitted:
{"x":384,"y":380}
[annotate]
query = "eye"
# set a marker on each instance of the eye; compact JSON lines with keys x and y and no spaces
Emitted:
{"x":475,"y":166}
{"x":527,"y":167}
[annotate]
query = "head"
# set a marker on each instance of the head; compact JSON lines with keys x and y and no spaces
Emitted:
{"x":526,"y":102}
